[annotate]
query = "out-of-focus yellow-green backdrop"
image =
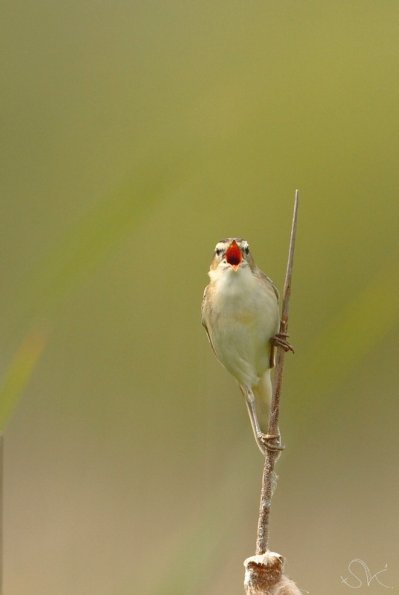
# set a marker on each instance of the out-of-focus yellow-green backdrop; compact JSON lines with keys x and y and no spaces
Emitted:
{"x":135,"y":135}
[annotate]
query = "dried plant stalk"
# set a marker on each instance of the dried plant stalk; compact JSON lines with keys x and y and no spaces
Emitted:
{"x":260,"y":570}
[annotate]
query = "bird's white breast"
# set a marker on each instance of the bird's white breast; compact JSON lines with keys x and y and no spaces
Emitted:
{"x":242,"y":318}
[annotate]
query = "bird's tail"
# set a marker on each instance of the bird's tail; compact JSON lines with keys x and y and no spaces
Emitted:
{"x":263,"y":396}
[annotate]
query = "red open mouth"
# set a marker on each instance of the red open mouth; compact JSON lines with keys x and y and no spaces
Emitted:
{"x":234,"y":254}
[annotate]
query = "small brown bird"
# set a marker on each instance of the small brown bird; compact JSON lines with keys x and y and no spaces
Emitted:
{"x":240,"y":314}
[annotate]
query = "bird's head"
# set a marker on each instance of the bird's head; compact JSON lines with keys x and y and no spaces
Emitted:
{"x":232,"y":254}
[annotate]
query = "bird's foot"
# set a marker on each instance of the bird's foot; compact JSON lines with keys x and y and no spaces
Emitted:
{"x":280,"y":340}
{"x":271,"y":442}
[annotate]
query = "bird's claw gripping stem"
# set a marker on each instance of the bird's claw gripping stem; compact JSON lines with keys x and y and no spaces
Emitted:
{"x":271,"y":442}
{"x":280,"y":340}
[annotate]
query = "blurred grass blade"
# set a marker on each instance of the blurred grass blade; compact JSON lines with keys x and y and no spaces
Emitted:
{"x":356,"y":332}
{"x":19,"y":372}
{"x":93,"y":238}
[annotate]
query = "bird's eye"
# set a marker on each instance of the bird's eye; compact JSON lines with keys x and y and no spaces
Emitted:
{"x":246,"y":249}
{"x":218,"y":251}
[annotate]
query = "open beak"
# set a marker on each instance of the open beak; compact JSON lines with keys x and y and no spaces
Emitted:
{"x":234,"y":255}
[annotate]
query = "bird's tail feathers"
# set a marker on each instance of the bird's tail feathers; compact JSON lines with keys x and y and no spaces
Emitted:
{"x":263,"y":396}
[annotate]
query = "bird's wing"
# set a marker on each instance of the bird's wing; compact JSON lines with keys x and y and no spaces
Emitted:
{"x":263,"y":276}
{"x":204,"y":306}
{"x":270,"y":282}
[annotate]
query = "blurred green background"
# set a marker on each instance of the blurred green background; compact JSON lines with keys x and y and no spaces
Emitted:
{"x":135,"y":135}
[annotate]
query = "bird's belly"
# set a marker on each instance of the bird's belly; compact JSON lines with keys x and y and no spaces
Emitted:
{"x":241,"y":318}
{"x":241,"y":339}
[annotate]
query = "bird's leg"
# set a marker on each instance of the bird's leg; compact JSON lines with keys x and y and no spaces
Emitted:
{"x":264,"y":441}
{"x":280,"y":340}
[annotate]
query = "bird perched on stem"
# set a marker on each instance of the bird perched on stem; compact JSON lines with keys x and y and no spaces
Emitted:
{"x":240,"y":314}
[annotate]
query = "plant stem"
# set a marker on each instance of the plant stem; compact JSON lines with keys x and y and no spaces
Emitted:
{"x":273,"y":428}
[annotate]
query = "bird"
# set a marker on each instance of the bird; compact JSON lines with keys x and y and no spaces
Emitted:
{"x":240,"y":313}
